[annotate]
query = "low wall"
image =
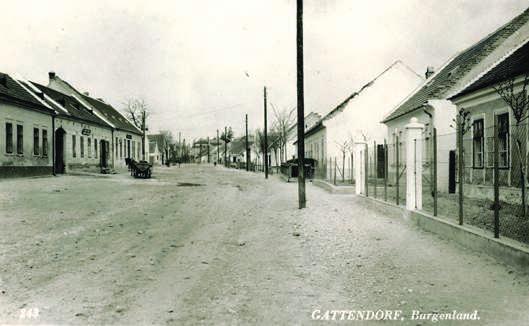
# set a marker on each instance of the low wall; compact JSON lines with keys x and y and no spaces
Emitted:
{"x":24,"y":171}
{"x":506,"y":250}
{"x":332,"y":188}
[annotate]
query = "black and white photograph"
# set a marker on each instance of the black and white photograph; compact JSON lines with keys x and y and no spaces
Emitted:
{"x":252,"y":162}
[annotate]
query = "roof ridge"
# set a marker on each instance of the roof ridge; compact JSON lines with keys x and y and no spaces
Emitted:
{"x":368,"y":84}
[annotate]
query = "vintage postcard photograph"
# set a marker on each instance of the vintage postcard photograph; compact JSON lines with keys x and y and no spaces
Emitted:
{"x":264,"y":162}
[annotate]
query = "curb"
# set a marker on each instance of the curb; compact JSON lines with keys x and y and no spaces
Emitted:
{"x":504,"y":249}
{"x":343,"y":190}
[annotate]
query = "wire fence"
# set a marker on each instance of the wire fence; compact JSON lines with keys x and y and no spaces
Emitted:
{"x":476,"y":175}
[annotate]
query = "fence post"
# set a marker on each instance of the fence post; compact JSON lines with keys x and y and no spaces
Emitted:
{"x":359,"y":149}
{"x":496,"y":184}
{"x":385,"y":171}
{"x":460,"y":171}
{"x":397,"y":168}
{"x":366,"y":168}
{"x":334,"y":171}
{"x":414,"y":165}
{"x":434,"y":167}
{"x":352,"y":168}
{"x":375,"y":165}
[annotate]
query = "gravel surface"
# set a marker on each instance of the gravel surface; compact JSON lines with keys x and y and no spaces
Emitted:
{"x":204,"y":245}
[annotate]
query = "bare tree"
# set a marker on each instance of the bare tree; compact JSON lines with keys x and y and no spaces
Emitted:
{"x":517,"y":99}
{"x":137,"y":112}
{"x":284,"y":119}
{"x":227,"y":137}
{"x":344,"y":147}
{"x":166,"y":141}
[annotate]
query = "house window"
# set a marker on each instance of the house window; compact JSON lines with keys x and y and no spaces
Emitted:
{"x":44,"y":142}
{"x":95,"y":147}
{"x":477,"y":143}
{"x":503,"y":140}
{"x":20,"y":139}
{"x":116,"y":146}
{"x":120,"y":149}
{"x":81,"y":141}
{"x":35,"y":141}
{"x":89,"y":146}
{"x":133,"y":148}
{"x":9,"y":137}
{"x":74,"y":146}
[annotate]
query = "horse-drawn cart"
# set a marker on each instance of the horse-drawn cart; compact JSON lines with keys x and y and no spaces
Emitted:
{"x":141,"y":169}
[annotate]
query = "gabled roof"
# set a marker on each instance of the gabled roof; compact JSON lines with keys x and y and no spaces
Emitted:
{"x":152,"y":146}
{"x":68,"y":106}
{"x":343,"y":104}
{"x":158,"y":139}
{"x":13,"y":91}
{"x":111,"y":114}
{"x":512,"y":65}
{"x":442,"y":83}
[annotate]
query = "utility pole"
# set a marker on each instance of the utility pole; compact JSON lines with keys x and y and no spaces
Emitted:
{"x":143,"y":136}
{"x":180,"y":145}
{"x":218,"y":153}
{"x":208,"y":151}
{"x":265,"y":138}
{"x":301,"y":107}
{"x":225,"y":146}
{"x":247,"y":150}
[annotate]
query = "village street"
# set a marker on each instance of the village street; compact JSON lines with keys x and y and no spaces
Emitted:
{"x":200,"y":244}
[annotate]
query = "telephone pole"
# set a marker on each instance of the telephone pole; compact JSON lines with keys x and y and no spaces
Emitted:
{"x":247,"y":151}
{"x":218,"y":153}
{"x":265,"y":138}
{"x":180,"y":146}
{"x":301,"y":107}
{"x":143,"y":134}
{"x":225,"y":146}
{"x":208,"y":151}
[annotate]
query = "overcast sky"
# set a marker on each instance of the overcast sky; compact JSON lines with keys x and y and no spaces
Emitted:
{"x":201,"y":65}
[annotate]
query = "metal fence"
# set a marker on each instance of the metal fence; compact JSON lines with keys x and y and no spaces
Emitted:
{"x":386,"y":171}
{"x":476,"y":175}
{"x":336,"y":170}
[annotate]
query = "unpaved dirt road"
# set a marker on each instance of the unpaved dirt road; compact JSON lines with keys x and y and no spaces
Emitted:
{"x":204,"y":245}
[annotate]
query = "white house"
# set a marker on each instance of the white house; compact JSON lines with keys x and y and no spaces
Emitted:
{"x":26,"y":128}
{"x":357,"y":118}
{"x":430,"y":103}
{"x":127,"y":139}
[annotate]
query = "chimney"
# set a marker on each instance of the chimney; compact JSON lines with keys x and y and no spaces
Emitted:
{"x":51,"y":75}
{"x":429,"y":72}
{"x":86,"y":93}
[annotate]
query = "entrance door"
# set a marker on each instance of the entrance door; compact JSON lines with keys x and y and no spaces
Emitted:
{"x":59,"y":151}
{"x":381,"y":164}
{"x":128,"y":148}
{"x":103,"y":155}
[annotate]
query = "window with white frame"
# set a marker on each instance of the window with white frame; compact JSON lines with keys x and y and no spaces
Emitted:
{"x":9,"y":137}
{"x":503,"y":139}
{"x":477,"y":143}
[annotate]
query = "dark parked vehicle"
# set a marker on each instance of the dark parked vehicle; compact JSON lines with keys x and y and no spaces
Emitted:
{"x":141,"y":169}
{"x":290,"y":168}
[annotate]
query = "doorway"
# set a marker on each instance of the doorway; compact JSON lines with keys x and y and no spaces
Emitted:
{"x":103,"y":155}
{"x":59,"y":150}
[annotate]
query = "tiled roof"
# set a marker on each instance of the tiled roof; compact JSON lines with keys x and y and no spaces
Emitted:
{"x":111,"y":114}
{"x":157,"y":138}
{"x":442,"y":83}
{"x":514,"y":65}
{"x":11,"y":90}
{"x":75,"y":108}
{"x":343,"y":104}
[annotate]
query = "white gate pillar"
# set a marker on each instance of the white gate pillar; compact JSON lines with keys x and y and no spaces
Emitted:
{"x":360,"y":150}
{"x":414,"y":144}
